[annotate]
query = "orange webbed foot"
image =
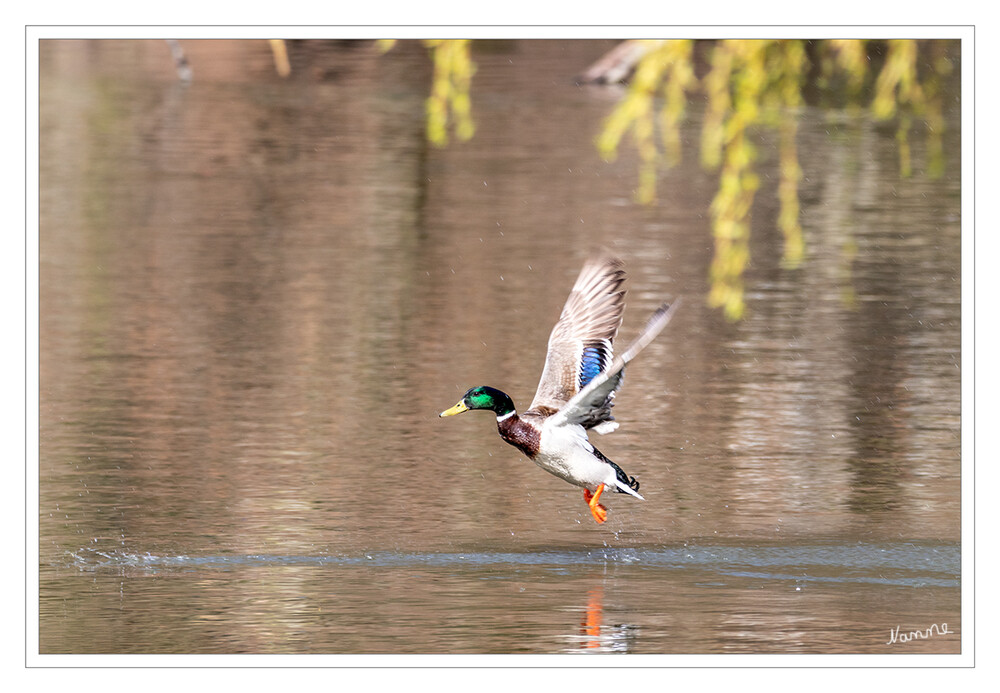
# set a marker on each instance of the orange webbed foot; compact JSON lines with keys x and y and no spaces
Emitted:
{"x":599,"y":512}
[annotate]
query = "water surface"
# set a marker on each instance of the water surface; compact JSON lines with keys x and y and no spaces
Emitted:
{"x":256,"y":295}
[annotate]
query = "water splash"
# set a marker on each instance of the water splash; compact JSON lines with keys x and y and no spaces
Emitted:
{"x":902,"y":564}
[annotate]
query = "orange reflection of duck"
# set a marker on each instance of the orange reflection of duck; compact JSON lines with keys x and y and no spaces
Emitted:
{"x":591,"y":625}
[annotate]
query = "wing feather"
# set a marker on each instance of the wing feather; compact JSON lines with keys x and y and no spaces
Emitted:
{"x":580,"y":345}
{"x":580,"y":408}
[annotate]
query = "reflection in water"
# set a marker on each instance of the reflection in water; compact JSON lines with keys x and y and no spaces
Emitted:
{"x":591,"y":625}
{"x":255,"y":293}
{"x":595,"y":635}
{"x":782,"y":597}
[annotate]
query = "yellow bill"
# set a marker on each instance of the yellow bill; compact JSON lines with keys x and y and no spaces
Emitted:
{"x":457,"y":409}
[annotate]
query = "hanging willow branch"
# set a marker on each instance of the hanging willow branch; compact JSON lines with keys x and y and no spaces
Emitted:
{"x":754,"y":83}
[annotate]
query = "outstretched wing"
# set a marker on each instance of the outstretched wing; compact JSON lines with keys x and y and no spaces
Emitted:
{"x":580,"y":345}
{"x":580,"y":409}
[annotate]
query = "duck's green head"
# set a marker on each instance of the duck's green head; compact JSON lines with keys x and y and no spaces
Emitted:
{"x":483,"y":398}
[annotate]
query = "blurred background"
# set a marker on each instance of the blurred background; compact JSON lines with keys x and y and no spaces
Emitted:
{"x":265,"y":267}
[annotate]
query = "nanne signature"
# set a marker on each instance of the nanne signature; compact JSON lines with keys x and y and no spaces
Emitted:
{"x":935,"y":629}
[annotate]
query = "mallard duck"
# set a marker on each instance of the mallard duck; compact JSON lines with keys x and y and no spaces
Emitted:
{"x":577,"y":387}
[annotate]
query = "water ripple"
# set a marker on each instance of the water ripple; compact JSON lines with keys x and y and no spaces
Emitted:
{"x":902,"y":564}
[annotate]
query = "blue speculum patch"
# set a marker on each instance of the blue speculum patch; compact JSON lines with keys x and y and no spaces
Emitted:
{"x":590,"y":365}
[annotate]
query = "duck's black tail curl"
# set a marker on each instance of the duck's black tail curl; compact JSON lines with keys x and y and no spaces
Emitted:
{"x":629,"y":481}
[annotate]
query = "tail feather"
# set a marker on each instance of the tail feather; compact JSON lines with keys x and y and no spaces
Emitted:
{"x":623,"y":482}
{"x":627,"y":488}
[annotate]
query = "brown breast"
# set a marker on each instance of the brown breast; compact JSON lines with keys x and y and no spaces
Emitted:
{"x":521,"y":434}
